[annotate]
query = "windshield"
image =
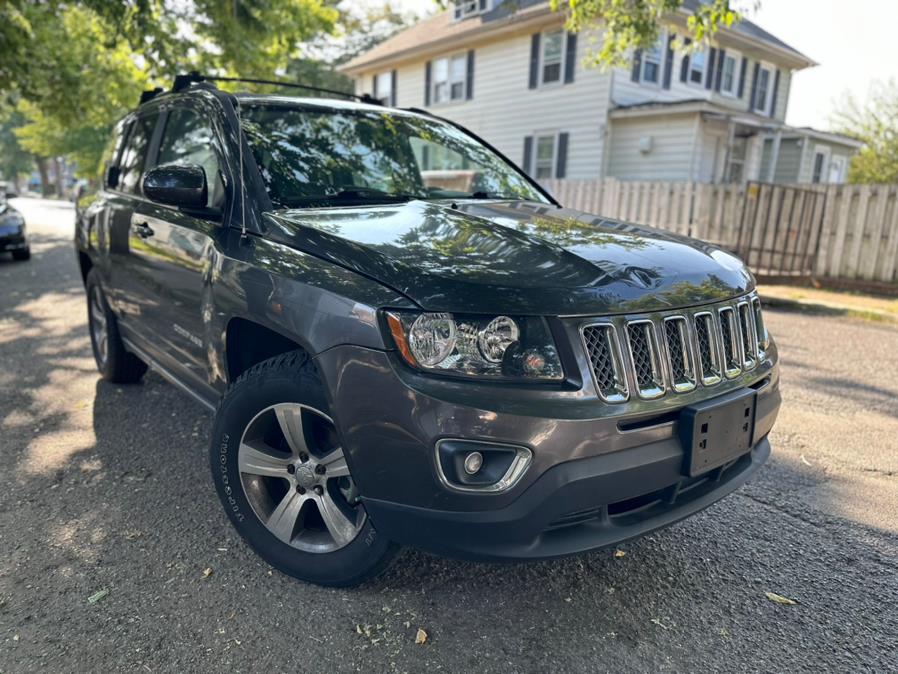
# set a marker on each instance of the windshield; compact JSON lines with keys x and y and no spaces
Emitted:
{"x":317,"y":157}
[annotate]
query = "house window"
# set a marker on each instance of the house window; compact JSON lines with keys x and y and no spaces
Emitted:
{"x":553,"y":56}
{"x":466,"y":8}
{"x":449,"y":79}
{"x":728,"y":75}
{"x":697,"y":67}
{"x":819,"y":160}
{"x":837,"y":170}
{"x":383,"y":87}
{"x":762,"y":90}
{"x":544,"y":166}
{"x":651,"y":62}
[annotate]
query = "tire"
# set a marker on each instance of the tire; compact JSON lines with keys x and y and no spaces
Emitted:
{"x":22,"y":254}
{"x":281,"y":476}
{"x":115,"y":363}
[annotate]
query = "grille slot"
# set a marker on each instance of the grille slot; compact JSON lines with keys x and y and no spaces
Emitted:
{"x":760,"y":330}
{"x":679,"y":353}
{"x":644,"y":356}
{"x":732,"y":347}
{"x":749,"y":338}
{"x":709,"y":353}
{"x":605,"y":361}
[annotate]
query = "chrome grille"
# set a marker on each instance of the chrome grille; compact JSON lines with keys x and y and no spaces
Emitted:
{"x":709,"y":352}
{"x":644,"y":354}
{"x":679,"y":353}
{"x":732,"y":349}
{"x":605,"y":361}
{"x":749,"y":339}
{"x":674,"y":351}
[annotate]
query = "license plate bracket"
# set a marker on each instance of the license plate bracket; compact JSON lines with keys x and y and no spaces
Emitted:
{"x":717,"y":431}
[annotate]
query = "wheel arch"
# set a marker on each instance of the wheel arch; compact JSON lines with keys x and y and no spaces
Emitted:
{"x":248,"y":343}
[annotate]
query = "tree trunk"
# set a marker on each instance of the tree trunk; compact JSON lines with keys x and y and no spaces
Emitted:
{"x":60,"y":178}
{"x":45,"y":179}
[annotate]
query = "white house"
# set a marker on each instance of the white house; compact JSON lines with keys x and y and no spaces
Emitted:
{"x":510,"y":73}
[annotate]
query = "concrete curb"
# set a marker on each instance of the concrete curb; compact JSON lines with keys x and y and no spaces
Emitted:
{"x":828,"y":308}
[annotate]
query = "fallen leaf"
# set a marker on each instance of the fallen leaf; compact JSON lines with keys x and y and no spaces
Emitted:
{"x":207,"y":572}
{"x":421,"y":636}
{"x":619,"y":553}
{"x":805,"y":461}
{"x":779,"y":599}
{"x":97,"y":596}
{"x":658,"y":622}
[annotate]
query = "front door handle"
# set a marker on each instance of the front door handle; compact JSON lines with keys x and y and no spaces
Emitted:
{"x":143,"y":230}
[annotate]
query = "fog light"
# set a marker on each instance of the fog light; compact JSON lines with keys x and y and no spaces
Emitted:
{"x":473,"y":462}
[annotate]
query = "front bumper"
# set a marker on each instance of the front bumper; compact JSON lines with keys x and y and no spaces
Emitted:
{"x":12,"y":240}
{"x":593,"y":481}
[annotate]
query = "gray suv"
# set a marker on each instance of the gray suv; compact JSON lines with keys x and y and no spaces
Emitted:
{"x":405,"y":340}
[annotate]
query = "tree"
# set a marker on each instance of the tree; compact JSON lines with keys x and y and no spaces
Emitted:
{"x":14,"y":159}
{"x":875,"y":123}
{"x":636,"y":24}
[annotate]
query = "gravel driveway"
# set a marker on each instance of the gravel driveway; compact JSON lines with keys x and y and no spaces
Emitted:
{"x":106,"y":489}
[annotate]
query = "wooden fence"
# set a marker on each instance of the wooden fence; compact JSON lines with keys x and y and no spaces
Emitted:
{"x":856,"y":226}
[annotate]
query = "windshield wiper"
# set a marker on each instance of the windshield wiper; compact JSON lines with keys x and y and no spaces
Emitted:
{"x":352,"y":195}
{"x":493,"y":195}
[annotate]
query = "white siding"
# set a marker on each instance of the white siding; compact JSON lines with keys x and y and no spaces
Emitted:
{"x":503,"y":110}
{"x":673,"y":154}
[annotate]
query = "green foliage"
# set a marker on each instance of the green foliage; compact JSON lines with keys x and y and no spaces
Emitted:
{"x":875,"y":123}
{"x":14,"y":160}
{"x":636,"y":24}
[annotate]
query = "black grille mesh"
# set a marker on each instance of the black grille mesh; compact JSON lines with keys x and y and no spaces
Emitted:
{"x":640,"y":347}
{"x":748,"y":349}
{"x":601,"y":357}
{"x":678,"y":366}
{"x":726,"y":332}
{"x":703,"y":325}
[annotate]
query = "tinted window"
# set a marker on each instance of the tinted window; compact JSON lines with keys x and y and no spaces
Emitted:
{"x":309,"y":156}
{"x":135,"y":154}
{"x":112,"y":149}
{"x":189,"y":140}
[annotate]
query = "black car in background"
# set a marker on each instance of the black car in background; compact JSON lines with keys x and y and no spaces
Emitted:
{"x":405,"y":340}
{"x":12,"y":227}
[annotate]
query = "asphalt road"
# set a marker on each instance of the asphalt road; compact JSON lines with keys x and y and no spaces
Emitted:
{"x":107,"y":487}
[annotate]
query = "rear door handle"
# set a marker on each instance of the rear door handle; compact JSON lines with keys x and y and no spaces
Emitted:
{"x":143,"y":230}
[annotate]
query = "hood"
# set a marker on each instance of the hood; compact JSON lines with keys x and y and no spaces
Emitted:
{"x":515,"y":257}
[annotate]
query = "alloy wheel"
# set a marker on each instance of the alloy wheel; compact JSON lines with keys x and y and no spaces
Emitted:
{"x":296,"y":479}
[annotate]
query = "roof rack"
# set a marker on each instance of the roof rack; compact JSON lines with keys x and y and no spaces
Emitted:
{"x":183,"y":81}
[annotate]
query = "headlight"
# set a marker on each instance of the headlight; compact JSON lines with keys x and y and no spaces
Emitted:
{"x":498,"y":347}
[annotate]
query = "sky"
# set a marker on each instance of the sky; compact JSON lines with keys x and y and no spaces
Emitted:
{"x":854,"y":42}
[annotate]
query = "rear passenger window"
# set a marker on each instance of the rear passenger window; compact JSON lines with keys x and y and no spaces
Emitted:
{"x":188,"y":140}
{"x":135,"y":154}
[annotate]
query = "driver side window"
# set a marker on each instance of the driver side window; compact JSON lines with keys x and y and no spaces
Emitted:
{"x":189,"y":140}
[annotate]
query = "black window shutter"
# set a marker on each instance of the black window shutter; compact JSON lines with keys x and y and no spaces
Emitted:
{"x":637,"y":65}
{"x":374,"y":86}
{"x":427,"y":83}
{"x":482,"y":5}
{"x":776,"y":86}
{"x":469,"y":79}
{"x":528,"y":153}
{"x":719,"y":75}
{"x":668,"y":61}
{"x":684,"y":64}
{"x":742,"y":76}
{"x":425,"y":157}
{"x":754,"y":86}
{"x":534,"y":61}
{"x":561,"y":157}
{"x":709,"y":76}
{"x":570,"y":58}
{"x":393,"y":79}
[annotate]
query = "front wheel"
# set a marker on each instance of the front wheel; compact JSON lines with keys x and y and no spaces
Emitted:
{"x":284,"y":481}
{"x":22,"y":254}
{"x":114,"y":361}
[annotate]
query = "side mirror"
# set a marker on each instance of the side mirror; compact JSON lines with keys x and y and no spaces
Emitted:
{"x":181,"y":186}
